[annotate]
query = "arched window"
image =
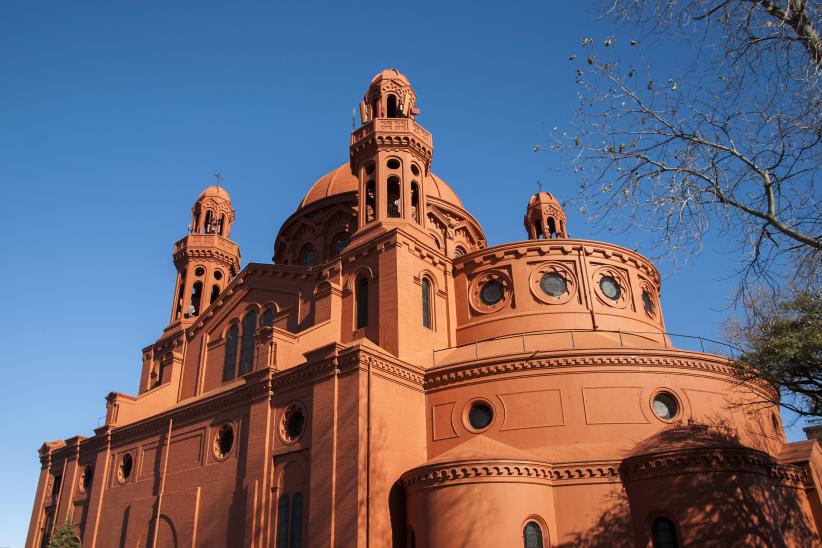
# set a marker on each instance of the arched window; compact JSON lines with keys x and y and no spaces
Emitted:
{"x":415,"y":200}
{"x":297,"y":521}
{"x":230,"y":363}
{"x":391,"y":106}
{"x":207,"y":223}
{"x":180,"y":295}
{"x":361,"y":295}
{"x":247,"y":348}
{"x":215,"y":292}
{"x":393,"y":197}
{"x":426,"y":303}
{"x":370,"y":201}
{"x":268,"y":318}
{"x":196,"y":297}
{"x":663,"y":532}
{"x":282,"y":522}
{"x":307,"y":256}
{"x":340,"y":243}
{"x":459,"y":252}
{"x":222,"y":224}
{"x":532,"y":535}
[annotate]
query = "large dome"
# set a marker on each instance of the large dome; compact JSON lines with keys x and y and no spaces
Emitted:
{"x":341,"y":180}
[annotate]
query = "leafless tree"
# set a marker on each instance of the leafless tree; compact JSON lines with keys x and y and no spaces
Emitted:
{"x":723,"y":141}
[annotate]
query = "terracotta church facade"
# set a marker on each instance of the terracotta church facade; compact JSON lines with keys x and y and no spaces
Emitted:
{"x":390,"y":380}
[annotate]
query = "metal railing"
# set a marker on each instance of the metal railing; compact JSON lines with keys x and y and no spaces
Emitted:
{"x":574,"y":339}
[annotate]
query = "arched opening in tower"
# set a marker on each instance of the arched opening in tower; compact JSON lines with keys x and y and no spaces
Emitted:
{"x":370,"y":201}
{"x":196,"y":298}
{"x":391,"y":106}
{"x":393,"y":197}
{"x":415,"y":200}
{"x":552,"y":228}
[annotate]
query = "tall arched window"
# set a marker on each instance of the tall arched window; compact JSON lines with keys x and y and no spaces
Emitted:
{"x":663,"y":532}
{"x":361,"y":296}
{"x":222,"y":224}
{"x":268,"y":318}
{"x":370,"y":201}
{"x":282,"y":522}
{"x":215,"y":292}
{"x":426,"y":303}
{"x":247,"y":348}
{"x":415,"y":200}
{"x":196,"y":297}
{"x":394,"y":197}
{"x":532,"y":535}
{"x":230,"y":362}
{"x":297,"y":521}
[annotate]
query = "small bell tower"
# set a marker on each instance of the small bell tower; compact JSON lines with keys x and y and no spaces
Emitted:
{"x":390,"y":154}
{"x":545,"y":218}
{"x":206,"y":259}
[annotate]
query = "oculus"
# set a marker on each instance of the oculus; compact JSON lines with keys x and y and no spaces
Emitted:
{"x":492,"y":292}
{"x":553,"y":284}
{"x":480,"y":415}
{"x":665,"y":406}
{"x":610,"y":287}
{"x":223,"y":441}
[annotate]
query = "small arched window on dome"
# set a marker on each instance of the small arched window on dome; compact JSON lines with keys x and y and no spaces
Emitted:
{"x":196,"y":299}
{"x":415,"y":201}
{"x":307,"y":256}
{"x":361,"y":297}
{"x":393,"y":197}
{"x":532,"y":535}
{"x":230,"y":360}
{"x":247,"y":346}
{"x":663,"y":533}
{"x":427,"y":321}
{"x":391,"y":106}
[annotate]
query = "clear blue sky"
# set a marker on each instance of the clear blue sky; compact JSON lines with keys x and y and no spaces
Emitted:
{"x":113,"y":116}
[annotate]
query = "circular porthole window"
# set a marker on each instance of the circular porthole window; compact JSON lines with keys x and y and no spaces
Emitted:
{"x":223,"y":441}
{"x":292,"y":424}
{"x":86,"y":477}
{"x":218,"y":275}
{"x":648,"y":303}
{"x":665,"y":406}
{"x":125,"y":468}
{"x":414,"y":169}
{"x":553,"y":284}
{"x":480,"y":415}
{"x":610,"y":287}
{"x":492,"y":292}
{"x":393,"y":163}
{"x":199,"y":271}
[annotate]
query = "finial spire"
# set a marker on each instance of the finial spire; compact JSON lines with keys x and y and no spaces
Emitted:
{"x":219,"y":177}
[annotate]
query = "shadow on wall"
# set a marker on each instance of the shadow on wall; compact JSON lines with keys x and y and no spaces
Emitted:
{"x":717,"y":492}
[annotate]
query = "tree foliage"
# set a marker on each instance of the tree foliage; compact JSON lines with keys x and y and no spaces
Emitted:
{"x":726,"y":140}
{"x":783,"y":340}
{"x":64,"y":536}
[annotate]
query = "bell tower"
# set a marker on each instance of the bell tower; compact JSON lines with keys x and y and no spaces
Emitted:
{"x":206,"y":259}
{"x":390,"y":154}
{"x":544,"y":217}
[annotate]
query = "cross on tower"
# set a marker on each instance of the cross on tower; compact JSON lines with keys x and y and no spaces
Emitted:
{"x":219,"y":177}
{"x":539,"y":185}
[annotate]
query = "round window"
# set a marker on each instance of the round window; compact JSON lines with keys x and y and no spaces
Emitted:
{"x":224,"y":441}
{"x":218,"y":275}
{"x":308,"y":257}
{"x":610,"y":288}
{"x":292,"y":423}
{"x":648,"y":302}
{"x":393,"y":163}
{"x":414,"y":169}
{"x":480,"y":415}
{"x":553,"y":284}
{"x":124,"y":470}
{"x":199,"y":271}
{"x":665,"y":406}
{"x":492,"y":292}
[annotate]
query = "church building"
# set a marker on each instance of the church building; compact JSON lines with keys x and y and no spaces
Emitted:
{"x":389,"y":380}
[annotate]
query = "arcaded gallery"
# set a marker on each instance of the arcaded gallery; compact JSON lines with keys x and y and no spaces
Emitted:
{"x":389,"y":380}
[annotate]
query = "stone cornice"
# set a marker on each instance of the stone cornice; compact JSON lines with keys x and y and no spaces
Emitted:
{"x":692,"y":361}
{"x":509,"y":471}
{"x":711,"y":460}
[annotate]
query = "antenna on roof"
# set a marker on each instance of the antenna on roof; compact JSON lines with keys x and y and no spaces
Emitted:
{"x":219,"y":177}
